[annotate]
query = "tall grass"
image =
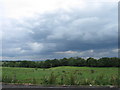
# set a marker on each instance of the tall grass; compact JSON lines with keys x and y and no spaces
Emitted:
{"x":8,"y":79}
{"x":51,"y":80}
{"x":62,"y":76}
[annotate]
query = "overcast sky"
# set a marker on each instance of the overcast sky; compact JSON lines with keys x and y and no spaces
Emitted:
{"x":46,"y":29}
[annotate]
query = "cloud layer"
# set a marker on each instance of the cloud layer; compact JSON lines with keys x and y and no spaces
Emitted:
{"x":86,"y":31}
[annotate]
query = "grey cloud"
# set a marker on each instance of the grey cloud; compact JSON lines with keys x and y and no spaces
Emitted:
{"x":86,"y":33}
{"x":62,"y":31}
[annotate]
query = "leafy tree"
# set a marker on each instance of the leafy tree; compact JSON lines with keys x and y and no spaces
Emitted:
{"x":73,"y":61}
{"x":64,"y":62}
{"x":91,"y":62}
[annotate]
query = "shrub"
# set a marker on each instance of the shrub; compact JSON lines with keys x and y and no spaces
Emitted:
{"x":92,"y":71}
{"x":6,"y":79}
{"x":44,"y":80}
{"x":34,"y":81}
{"x":52,"y":78}
{"x":72,"y":80}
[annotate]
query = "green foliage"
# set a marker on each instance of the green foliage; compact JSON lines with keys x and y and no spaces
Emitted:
{"x":6,"y":79}
{"x":91,"y":62}
{"x":44,"y":80}
{"x":73,"y":61}
{"x":34,"y":81}
{"x":51,"y":80}
{"x":64,"y":75}
{"x":72,"y":79}
{"x":9,"y":79}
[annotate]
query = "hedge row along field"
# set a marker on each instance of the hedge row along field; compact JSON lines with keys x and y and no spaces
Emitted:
{"x":64,"y":75}
{"x":73,"y":61}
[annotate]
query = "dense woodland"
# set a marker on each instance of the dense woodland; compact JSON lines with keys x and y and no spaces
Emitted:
{"x":73,"y":61}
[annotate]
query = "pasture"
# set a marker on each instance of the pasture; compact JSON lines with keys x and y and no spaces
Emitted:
{"x":65,"y":75}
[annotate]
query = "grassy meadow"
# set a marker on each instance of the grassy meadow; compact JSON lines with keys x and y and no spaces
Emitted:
{"x":64,"y":75}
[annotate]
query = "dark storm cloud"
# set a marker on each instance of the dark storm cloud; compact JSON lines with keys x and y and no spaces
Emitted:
{"x":70,"y":33}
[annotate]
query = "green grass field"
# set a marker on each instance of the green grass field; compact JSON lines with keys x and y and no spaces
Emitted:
{"x":65,"y":75}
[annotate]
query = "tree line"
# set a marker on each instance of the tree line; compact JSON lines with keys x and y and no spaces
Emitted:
{"x":72,"y":61}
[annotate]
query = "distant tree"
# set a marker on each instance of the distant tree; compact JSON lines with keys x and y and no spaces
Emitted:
{"x":80,"y":62}
{"x":108,"y":62}
{"x":47,"y":64}
{"x":114,"y":61}
{"x":40,"y":64}
{"x":91,"y":62}
{"x":25,"y":63}
{"x":73,"y":61}
{"x":55,"y":63}
{"x":64,"y":62}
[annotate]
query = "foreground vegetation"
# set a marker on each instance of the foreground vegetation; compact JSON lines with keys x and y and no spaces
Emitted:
{"x":64,"y":75}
